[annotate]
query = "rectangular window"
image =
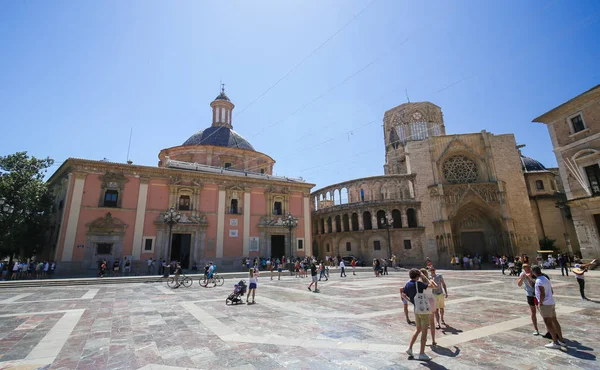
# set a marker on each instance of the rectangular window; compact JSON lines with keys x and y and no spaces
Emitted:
{"x":110,"y":198}
{"x":577,"y":123}
{"x":300,"y":244}
{"x":262,"y":171}
{"x":348,"y":247}
{"x":184,"y":203}
{"x":327,"y":248}
{"x":407,"y":244}
{"x":377,"y":245}
{"x":277,"y":209}
{"x":593,"y":175}
{"x":227,"y":165}
{"x":104,"y":248}
{"x":148,"y":244}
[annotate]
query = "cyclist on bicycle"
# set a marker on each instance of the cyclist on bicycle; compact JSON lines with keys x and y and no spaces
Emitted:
{"x":210,"y":274}
{"x":178,"y":271}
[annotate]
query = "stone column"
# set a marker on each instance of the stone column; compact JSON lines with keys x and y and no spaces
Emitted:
{"x":361,"y":225}
{"x":335,"y":224}
{"x":404,"y":217}
{"x":374,"y":220}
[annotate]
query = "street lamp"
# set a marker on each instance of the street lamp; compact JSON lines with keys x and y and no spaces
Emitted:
{"x":386,"y":223}
{"x":291,"y":223}
{"x":5,"y":207}
{"x":171,"y":217}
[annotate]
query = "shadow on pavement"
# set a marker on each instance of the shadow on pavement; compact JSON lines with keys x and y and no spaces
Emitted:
{"x":576,"y":345}
{"x":442,"y":351}
{"x":432,"y":365}
{"x":451,"y":330}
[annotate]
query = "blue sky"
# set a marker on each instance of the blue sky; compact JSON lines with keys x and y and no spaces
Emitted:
{"x":75,"y":76}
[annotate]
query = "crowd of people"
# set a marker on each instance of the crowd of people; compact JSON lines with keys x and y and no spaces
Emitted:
{"x":29,"y":269}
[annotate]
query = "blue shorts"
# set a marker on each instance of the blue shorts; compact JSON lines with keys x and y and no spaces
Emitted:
{"x":209,"y":276}
{"x":252,"y":286}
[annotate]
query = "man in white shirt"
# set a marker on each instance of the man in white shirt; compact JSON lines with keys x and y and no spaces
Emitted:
{"x":342,"y":268}
{"x":544,"y":295}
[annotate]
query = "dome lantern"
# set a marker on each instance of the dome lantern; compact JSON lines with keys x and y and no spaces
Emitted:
{"x":222,"y":109}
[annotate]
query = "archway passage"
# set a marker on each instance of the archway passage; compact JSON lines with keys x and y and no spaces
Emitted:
{"x":367,"y":221}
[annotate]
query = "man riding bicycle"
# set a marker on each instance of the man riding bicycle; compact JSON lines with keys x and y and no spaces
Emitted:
{"x":209,"y":271}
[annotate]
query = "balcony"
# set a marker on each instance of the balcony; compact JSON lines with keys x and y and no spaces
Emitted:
{"x":234,"y":211}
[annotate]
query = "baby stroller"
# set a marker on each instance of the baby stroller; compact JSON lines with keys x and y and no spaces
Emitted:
{"x":238,"y":291}
{"x":512,"y":268}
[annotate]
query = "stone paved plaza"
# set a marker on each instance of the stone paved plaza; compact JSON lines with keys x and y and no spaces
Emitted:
{"x":355,"y":323}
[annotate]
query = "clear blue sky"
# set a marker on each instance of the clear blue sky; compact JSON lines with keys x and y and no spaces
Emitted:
{"x":75,"y":76}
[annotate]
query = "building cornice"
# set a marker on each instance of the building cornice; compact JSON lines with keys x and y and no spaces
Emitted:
{"x":92,"y":166}
{"x":570,"y":105}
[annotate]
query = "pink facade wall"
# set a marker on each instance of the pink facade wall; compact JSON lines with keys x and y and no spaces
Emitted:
{"x":157,"y":202}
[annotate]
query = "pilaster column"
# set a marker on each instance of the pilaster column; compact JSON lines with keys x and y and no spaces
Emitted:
{"x":74,"y":209}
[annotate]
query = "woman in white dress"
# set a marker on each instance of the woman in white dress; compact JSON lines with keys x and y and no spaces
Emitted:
{"x":428,"y":293}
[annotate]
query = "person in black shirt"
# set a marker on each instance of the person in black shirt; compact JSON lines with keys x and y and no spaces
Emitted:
{"x":313,"y":273}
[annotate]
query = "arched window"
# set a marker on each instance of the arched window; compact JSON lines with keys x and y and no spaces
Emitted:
{"x":344,"y":195}
{"x":397,"y":219}
{"x":411,"y":215}
{"x":367,"y":221}
{"x":362,"y":195}
{"x":184,"y":202}
{"x":381,"y":216}
{"x":329,"y":228}
{"x":322,"y":226}
{"x":338,"y":224}
{"x":539,"y":184}
{"x":382,"y":193}
{"x":336,"y":197}
{"x":354,"y":222}
{"x":346,"y":222}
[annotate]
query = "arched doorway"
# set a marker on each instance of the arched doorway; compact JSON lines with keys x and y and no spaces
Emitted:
{"x":478,"y":229}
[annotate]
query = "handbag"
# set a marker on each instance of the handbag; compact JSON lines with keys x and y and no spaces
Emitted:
{"x":421,"y":302}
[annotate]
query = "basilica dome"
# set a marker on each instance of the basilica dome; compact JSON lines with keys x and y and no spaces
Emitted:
{"x":531,"y":165}
{"x":219,"y":136}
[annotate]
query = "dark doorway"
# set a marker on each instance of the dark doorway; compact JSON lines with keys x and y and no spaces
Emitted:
{"x":180,"y":249}
{"x":473,"y":243}
{"x":278,"y":246}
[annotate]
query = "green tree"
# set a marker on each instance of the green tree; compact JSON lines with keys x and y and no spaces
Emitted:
{"x":24,"y":231}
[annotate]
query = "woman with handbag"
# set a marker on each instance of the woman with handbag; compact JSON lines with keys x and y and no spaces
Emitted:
{"x":413,"y":291}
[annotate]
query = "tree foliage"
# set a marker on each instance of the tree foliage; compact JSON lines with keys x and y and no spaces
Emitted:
{"x":23,"y":232}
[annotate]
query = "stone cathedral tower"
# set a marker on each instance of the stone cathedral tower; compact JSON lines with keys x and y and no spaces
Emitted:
{"x":408,"y":122}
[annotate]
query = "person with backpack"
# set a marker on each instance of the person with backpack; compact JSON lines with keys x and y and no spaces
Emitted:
{"x":413,"y":291}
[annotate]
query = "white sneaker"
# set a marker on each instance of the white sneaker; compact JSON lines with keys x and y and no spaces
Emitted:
{"x":536,"y":333}
{"x":424,"y":357}
{"x":552,"y":345}
{"x":409,"y":352}
{"x":561,"y":343}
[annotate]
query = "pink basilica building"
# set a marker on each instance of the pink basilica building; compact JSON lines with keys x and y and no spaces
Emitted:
{"x":230,"y":205}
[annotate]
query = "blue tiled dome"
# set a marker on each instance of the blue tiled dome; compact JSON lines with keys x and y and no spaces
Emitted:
{"x":219,"y":136}
{"x":530,"y":164}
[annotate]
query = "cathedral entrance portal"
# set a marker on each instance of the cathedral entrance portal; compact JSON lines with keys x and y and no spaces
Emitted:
{"x":473,"y":243}
{"x":477,"y":229}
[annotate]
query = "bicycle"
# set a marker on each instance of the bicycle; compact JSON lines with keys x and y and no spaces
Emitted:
{"x":216,"y":279}
{"x":184,"y":280}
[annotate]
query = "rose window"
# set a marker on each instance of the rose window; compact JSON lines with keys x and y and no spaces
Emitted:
{"x":459,"y":170}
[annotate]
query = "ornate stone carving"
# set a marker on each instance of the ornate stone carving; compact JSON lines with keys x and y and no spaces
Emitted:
{"x":471,"y":222}
{"x":112,"y":180}
{"x":460,"y":170}
{"x":106,"y":225}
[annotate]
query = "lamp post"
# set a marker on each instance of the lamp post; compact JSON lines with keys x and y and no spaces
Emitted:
{"x":386,"y":223}
{"x":291,"y":223}
{"x":171,"y":217}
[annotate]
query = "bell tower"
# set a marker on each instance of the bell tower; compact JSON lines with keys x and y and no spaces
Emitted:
{"x":404,"y":124}
{"x":222,"y":108}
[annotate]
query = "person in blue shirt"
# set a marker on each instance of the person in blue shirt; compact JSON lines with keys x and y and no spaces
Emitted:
{"x":408,"y":292}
